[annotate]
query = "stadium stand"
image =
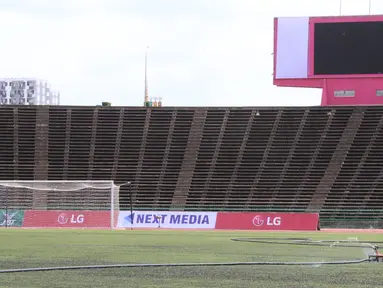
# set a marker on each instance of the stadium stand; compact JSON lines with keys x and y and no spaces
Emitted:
{"x":322,"y":159}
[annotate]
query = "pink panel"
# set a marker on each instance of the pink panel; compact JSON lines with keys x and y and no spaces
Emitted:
{"x":301,"y":83}
{"x":365,"y":91}
{"x":275,"y":46}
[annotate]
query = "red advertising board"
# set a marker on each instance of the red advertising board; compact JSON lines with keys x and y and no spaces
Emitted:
{"x":267,"y":221}
{"x":66,"y":219}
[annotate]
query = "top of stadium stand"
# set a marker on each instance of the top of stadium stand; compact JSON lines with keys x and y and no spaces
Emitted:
{"x":186,"y":107}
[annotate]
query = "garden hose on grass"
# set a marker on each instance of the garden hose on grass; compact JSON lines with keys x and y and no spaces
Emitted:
{"x":281,"y":241}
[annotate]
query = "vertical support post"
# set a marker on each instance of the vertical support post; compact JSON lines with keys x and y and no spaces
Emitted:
{"x":6,"y":207}
{"x":112,"y":206}
{"x":131,"y":205}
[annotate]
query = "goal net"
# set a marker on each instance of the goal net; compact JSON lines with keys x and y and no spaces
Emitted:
{"x":60,"y":196}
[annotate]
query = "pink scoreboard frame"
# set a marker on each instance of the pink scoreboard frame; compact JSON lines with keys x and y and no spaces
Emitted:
{"x":339,"y":19}
{"x":365,"y":86}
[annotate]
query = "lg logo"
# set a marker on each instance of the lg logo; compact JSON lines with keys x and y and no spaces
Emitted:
{"x":64,"y":219}
{"x":258,"y":221}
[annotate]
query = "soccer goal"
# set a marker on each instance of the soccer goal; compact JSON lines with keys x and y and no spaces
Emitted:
{"x":59,"y":197}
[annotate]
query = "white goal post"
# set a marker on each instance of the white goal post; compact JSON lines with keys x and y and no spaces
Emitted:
{"x":61,"y":195}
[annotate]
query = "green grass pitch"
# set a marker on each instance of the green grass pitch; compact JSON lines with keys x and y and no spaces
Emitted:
{"x":43,"y":248}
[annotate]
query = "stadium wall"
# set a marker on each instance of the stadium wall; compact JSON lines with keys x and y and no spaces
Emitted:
{"x":161,"y":219}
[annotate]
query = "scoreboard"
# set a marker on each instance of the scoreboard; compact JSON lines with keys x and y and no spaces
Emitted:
{"x":27,"y":92}
{"x":342,"y":55}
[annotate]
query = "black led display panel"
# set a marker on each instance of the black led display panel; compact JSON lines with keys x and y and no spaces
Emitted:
{"x":348,"y":48}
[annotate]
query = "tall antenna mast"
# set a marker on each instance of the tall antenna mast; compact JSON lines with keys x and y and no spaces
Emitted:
{"x":369,"y":7}
{"x":340,"y":7}
{"x":146,"y":77}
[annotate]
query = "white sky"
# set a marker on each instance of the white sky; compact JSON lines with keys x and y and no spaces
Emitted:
{"x":202,"y":52}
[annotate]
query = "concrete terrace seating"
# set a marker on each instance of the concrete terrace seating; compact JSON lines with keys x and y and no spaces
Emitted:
{"x":326,"y":159}
{"x":8,"y":145}
{"x":18,"y":143}
{"x":161,"y":157}
{"x":359,"y":182}
{"x":18,"y":138}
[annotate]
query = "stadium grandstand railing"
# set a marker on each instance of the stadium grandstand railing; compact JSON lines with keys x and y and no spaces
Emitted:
{"x":323,"y":159}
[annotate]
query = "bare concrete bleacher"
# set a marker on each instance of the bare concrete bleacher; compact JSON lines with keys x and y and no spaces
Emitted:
{"x":323,"y":159}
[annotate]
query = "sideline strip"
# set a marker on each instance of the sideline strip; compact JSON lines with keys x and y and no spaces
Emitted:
{"x":369,"y":231}
{"x":326,"y":230}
